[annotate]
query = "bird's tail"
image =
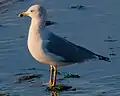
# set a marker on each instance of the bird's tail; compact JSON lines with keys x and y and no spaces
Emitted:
{"x":103,"y":58}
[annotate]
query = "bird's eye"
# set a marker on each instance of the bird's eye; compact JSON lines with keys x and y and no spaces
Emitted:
{"x":32,"y":11}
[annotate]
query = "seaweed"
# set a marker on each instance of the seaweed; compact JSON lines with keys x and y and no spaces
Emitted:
{"x":112,"y":54}
{"x":4,"y":94}
{"x":28,"y":77}
{"x":110,"y":40}
{"x":1,"y":25}
{"x":59,"y":88}
{"x":78,"y":7}
{"x":71,"y":76}
{"x":68,"y":75}
{"x":48,"y":23}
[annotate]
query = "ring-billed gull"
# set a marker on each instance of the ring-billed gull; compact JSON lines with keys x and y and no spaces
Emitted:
{"x":48,"y":48}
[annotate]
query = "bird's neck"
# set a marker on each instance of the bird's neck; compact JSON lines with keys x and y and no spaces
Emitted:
{"x":37,"y":23}
{"x":36,"y":26}
{"x":34,"y":30}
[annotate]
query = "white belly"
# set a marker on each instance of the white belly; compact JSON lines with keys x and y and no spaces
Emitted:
{"x":35,"y":48}
{"x":38,"y":53}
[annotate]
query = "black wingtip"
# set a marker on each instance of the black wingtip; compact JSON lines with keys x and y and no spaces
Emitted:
{"x":103,"y":58}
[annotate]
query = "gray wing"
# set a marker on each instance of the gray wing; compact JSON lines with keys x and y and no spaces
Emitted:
{"x":67,"y":50}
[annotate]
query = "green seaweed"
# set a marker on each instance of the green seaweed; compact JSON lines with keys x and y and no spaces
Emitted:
{"x":68,"y":75}
{"x":71,"y":76}
{"x":59,"y":73}
{"x":59,"y":88}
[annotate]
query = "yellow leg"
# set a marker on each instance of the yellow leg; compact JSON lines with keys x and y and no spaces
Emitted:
{"x":51,"y":76}
{"x":54,"y":76}
{"x":53,"y":93}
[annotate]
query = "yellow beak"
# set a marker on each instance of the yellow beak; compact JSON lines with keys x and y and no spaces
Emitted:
{"x":23,"y":14}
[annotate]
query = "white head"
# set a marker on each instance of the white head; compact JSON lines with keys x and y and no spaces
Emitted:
{"x":36,"y":12}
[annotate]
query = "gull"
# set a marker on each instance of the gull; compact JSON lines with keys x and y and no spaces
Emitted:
{"x":49,"y":48}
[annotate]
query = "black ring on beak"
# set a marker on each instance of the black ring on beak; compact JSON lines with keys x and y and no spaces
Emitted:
{"x":21,"y":15}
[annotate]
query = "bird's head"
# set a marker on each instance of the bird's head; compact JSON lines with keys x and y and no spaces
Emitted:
{"x":35,"y":11}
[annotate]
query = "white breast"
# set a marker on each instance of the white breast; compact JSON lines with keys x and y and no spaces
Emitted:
{"x":34,"y":46}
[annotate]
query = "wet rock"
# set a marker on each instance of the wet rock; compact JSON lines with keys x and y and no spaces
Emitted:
{"x":28,"y":77}
{"x":78,"y":7}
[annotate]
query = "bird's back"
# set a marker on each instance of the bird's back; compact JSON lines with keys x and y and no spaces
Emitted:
{"x":67,"y":51}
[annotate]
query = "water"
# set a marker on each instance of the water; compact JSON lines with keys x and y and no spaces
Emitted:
{"x":96,"y":27}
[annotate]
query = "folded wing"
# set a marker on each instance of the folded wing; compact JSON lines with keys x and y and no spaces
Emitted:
{"x":67,"y":50}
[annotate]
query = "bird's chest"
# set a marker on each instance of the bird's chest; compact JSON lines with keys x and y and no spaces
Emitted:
{"x":37,"y":41}
{"x":35,"y":47}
